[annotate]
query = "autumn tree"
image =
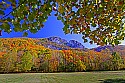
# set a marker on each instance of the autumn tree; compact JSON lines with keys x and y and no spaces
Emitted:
{"x":9,"y":61}
{"x":26,"y":61}
{"x":101,"y":21}
{"x":117,"y":61}
{"x":72,"y":61}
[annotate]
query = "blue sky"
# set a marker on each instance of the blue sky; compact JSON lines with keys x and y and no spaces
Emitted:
{"x":52,"y":27}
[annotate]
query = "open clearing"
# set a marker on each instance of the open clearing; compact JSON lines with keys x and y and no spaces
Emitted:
{"x":74,"y":77}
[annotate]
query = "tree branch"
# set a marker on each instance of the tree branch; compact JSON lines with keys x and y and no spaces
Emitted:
{"x":13,"y":10}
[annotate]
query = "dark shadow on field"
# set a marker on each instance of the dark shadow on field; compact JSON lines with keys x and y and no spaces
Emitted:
{"x":113,"y":81}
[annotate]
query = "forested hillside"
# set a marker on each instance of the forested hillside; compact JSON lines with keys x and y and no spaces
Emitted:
{"x":56,"y":55}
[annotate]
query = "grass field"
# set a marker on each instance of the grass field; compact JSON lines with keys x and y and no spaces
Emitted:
{"x":76,"y":77}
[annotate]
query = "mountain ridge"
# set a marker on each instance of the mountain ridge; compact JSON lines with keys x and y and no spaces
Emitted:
{"x":58,"y":43}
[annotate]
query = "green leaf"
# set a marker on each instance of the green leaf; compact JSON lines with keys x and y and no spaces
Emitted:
{"x":116,"y":42}
{"x":87,"y":30}
{"x":42,"y":19}
{"x":83,"y":33}
{"x":65,"y":27}
{"x":1,"y":12}
{"x":105,"y":40}
{"x":35,"y":24}
{"x":24,"y":26}
{"x":75,"y":31}
{"x":33,"y":30}
{"x":25,"y":34}
{"x":1,"y":27}
{"x":31,"y":17}
{"x":66,"y":30}
{"x":93,"y":24}
{"x":59,"y":18}
{"x":25,"y":12}
{"x":61,"y":9}
{"x":6,"y":26}
{"x":13,"y":1}
{"x":90,"y":15}
{"x":85,"y":40}
{"x":8,"y":19}
{"x":38,"y":27}
{"x":16,"y":29}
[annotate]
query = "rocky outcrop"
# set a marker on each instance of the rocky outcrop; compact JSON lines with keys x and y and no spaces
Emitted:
{"x":100,"y":48}
{"x":57,"y":40}
{"x":75,"y":44}
{"x":60,"y":41}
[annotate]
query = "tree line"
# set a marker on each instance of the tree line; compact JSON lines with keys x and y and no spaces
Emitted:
{"x":25,"y":55}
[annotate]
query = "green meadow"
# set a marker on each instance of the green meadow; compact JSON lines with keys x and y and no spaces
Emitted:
{"x":73,"y":77}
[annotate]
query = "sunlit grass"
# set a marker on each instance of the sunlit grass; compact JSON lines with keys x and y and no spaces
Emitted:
{"x":76,"y":77}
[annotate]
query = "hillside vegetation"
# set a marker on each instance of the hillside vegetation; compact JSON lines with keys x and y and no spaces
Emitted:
{"x":36,"y":55}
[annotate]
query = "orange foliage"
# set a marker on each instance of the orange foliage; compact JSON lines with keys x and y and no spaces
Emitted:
{"x":1,"y":54}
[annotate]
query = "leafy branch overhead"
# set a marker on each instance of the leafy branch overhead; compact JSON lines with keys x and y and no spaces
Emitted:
{"x":101,"y":21}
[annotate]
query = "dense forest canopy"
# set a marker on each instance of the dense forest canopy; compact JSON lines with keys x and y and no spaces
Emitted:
{"x":29,"y":55}
{"x":101,"y":21}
